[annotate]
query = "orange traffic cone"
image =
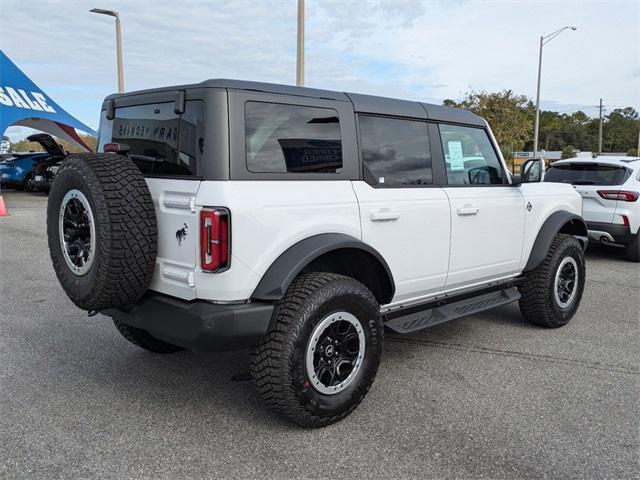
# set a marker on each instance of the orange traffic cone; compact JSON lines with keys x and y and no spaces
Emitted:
{"x":3,"y":208}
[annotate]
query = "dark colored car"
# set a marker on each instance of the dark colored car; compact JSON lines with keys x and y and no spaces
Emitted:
{"x":33,"y":171}
{"x":18,"y":170}
{"x":47,"y":169}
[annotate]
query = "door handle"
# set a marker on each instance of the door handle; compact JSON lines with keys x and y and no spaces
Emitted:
{"x":466,"y":211}
{"x":384,"y":215}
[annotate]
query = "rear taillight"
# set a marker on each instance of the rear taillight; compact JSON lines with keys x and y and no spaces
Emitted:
{"x":115,"y":147}
{"x":215,"y":239}
{"x":621,"y":195}
{"x":625,"y":220}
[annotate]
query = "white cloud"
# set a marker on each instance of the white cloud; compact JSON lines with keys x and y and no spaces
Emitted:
{"x":420,"y":50}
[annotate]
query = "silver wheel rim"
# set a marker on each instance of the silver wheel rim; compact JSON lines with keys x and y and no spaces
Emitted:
{"x":77,"y":232}
{"x":566,"y":282}
{"x":332,"y":359}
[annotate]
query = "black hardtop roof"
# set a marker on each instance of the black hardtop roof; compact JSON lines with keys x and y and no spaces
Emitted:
{"x":362,"y":103}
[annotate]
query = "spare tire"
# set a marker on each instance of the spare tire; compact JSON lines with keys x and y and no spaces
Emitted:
{"x":102,"y":231}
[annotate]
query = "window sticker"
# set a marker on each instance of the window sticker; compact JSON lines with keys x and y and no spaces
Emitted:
{"x":455,"y":156}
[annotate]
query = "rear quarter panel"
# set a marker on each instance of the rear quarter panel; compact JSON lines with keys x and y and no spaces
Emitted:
{"x":268,"y":217}
{"x":545,"y":199}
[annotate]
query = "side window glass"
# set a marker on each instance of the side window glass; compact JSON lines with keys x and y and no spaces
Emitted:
{"x":470,"y":157}
{"x":395,"y":152}
{"x":283,"y":138}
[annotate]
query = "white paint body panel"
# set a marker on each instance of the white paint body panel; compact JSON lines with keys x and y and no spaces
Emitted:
{"x":545,"y":199}
{"x":268,"y":217}
{"x":174,"y":202}
{"x":595,"y":208}
{"x":487,"y":227}
{"x":410,"y":228}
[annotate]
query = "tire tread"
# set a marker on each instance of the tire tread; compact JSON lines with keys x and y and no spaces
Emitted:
{"x":270,"y":363}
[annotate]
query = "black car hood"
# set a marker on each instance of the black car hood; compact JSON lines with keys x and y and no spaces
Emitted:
{"x":48,"y":143}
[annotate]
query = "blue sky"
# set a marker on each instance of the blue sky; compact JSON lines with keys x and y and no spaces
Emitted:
{"x":427,"y":50}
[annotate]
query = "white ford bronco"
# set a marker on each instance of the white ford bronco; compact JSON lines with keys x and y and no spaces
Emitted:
{"x":304,"y":223}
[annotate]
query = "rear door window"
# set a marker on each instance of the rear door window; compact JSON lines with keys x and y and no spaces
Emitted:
{"x":283,"y":138}
{"x":395,"y":152}
{"x":587,"y":174}
{"x":160,"y":142}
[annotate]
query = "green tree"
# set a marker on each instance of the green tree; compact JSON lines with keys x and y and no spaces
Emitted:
{"x":568,"y":152}
{"x":620,"y":132}
{"x":509,"y":115}
{"x":25,"y":145}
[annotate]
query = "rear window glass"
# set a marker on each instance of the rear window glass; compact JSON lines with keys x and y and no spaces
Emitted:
{"x":586,"y":174}
{"x":292,"y":139}
{"x":160,"y":141}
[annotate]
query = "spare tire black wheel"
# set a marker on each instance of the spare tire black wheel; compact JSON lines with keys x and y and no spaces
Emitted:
{"x":102,"y":232}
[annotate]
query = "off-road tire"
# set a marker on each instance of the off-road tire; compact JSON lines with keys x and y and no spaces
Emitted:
{"x":278,"y":361}
{"x":125,"y":230}
{"x":537,"y":303}
{"x":143,"y":339}
{"x":633,"y":249}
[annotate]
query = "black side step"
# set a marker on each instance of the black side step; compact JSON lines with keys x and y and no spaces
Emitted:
{"x":451,"y":311}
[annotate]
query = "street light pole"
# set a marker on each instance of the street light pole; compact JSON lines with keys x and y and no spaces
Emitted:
{"x":119,"y":53}
{"x":537,"y":123}
{"x":300,"y":51}
{"x":115,"y":14}
{"x":544,"y":39}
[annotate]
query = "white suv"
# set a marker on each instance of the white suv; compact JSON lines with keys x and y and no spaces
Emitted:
{"x":303,"y":223}
{"x":610,"y":187}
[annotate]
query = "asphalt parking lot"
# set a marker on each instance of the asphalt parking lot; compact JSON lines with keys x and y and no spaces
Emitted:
{"x":485,"y":397}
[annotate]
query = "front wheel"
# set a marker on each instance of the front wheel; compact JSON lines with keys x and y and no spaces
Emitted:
{"x":322,"y":352}
{"x":552,"y":292}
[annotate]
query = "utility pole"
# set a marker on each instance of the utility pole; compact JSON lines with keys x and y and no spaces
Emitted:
{"x":300,"y":53}
{"x":600,"y":131}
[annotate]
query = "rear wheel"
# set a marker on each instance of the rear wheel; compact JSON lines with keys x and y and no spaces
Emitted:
{"x":143,"y":339}
{"x":633,"y":249}
{"x":552,"y":292}
{"x":322,"y":352}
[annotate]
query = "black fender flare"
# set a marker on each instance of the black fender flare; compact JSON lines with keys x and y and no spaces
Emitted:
{"x":558,"y":222}
{"x":291,"y":262}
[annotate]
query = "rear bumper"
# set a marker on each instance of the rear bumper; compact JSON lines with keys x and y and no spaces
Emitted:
{"x":609,"y":233}
{"x":198,"y":325}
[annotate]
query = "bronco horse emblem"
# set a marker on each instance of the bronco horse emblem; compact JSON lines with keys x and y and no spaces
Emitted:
{"x":181,"y":233}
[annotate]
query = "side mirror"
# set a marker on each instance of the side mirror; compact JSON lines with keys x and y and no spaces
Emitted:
{"x":532,"y":170}
{"x":484,"y":175}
